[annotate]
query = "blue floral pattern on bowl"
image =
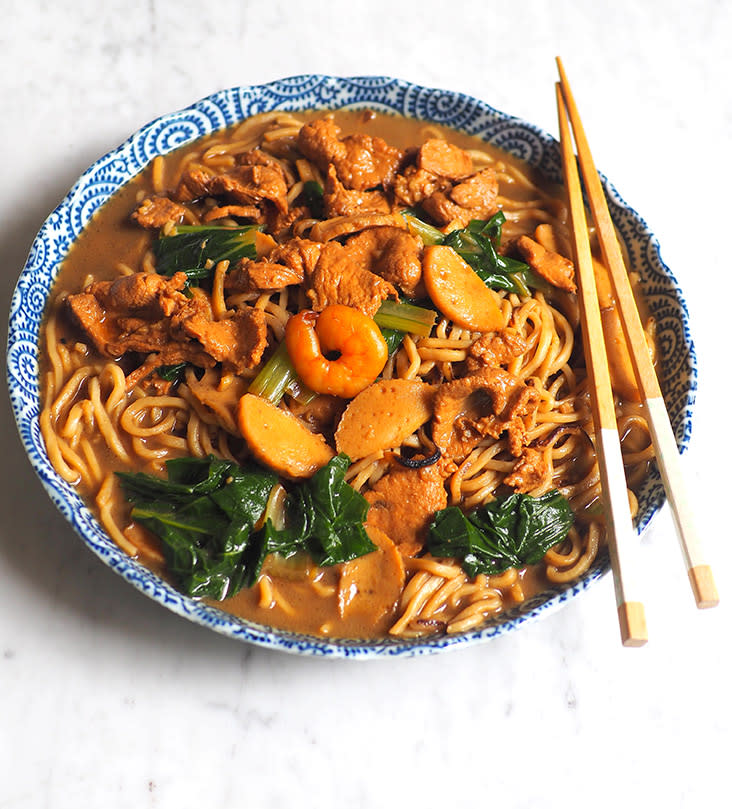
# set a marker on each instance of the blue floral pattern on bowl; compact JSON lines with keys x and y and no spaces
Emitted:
{"x":297,"y":93}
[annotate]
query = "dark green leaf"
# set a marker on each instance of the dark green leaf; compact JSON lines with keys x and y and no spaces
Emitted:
{"x":477,"y":244}
{"x":196,"y":249}
{"x":172,"y":373}
{"x":205,"y":514}
{"x":393,"y":338}
{"x":330,"y":515}
{"x":312,"y":196}
{"x":511,"y":531}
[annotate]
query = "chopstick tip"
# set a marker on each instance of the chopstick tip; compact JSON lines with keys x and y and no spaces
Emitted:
{"x":702,"y":583}
{"x":633,"y":631}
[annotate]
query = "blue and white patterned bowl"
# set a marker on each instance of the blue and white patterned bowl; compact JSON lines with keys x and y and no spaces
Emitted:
{"x":227,"y":107}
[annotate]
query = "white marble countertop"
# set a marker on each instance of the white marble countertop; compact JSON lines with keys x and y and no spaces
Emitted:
{"x":107,"y":700}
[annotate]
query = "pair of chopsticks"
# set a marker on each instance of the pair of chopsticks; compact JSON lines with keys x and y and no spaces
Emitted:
{"x":622,"y":540}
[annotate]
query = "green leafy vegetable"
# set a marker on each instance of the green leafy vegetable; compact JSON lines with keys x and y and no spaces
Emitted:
{"x":477,"y":244}
{"x":393,"y":338}
{"x":196,"y":249}
{"x":207,"y":515}
{"x":172,"y":373}
{"x":312,"y":195}
{"x":328,"y":515}
{"x":511,"y":531}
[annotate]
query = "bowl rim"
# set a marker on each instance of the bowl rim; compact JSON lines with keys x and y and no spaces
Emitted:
{"x":277,"y":94}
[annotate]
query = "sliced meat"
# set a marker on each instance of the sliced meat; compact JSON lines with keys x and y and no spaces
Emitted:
{"x":340,"y":201}
{"x":336,"y":278}
{"x":300,"y":255}
{"x":486,"y":403}
{"x":238,"y":342}
{"x":155,"y":212}
{"x":148,"y":314}
{"x":552,"y":267}
{"x":472,"y":198}
{"x":88,"y":315}
{"x":390,"y":252}
{"x":194,"y":184}
{"x":494,"y":350}
{"x":403,"y":502}
{"x":415,"y":185}
{"x":361,"y":161}
{"x":146,"y":294}
{"x":332,"y":276}
{"x":247,"y":184}
{"x":256,"y":157}
{"x":529,"y":472}
{"x":260,"y":276}
{"x":280,"y":225}
{"x":251,"y":185}
{"x":285,"y":264}
{"x":439,"y":157}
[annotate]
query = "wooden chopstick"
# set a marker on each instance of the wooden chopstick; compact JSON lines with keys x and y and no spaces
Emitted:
{"x":662,"y":436}
{"x":621,"y":536}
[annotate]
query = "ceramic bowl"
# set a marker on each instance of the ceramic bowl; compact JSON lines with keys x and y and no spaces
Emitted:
{"x":227,"y":107}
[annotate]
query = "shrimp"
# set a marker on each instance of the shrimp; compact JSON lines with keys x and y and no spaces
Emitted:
{"x":343,"y":329}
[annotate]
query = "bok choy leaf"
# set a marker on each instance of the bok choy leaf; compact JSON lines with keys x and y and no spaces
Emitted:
{"x":196,"y":249}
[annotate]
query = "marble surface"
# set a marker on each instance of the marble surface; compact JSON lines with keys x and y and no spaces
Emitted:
{"x":108,"y":700}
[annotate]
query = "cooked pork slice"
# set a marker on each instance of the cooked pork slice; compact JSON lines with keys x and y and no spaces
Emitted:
{"x":152,"y":294}
{"x":238,"y":342}
{"x":286,"y":264}
{"x":88,"y":315}
{"x":472,"y":198}
{"x":496,"y":349}
{"x":404,"y":501}
{"x":361,"y":161}
{"x":529,"y":472}
{"x":414,"y":185}
{"x":251,"y":185}
{"x":444,"y":159}
{"x":260,"y":276}
{"x":486,"y":403}
{"x":337,"y":278}
{"x":552,"y":267}
{"x":148,"y":314}
{"x":390,"y":252}
{"x":194,"y":184}
{"x":154,"y":212}
{"x":340,"y":201}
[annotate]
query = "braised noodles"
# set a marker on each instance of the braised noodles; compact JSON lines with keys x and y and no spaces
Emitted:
{"x":322,"y":321}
